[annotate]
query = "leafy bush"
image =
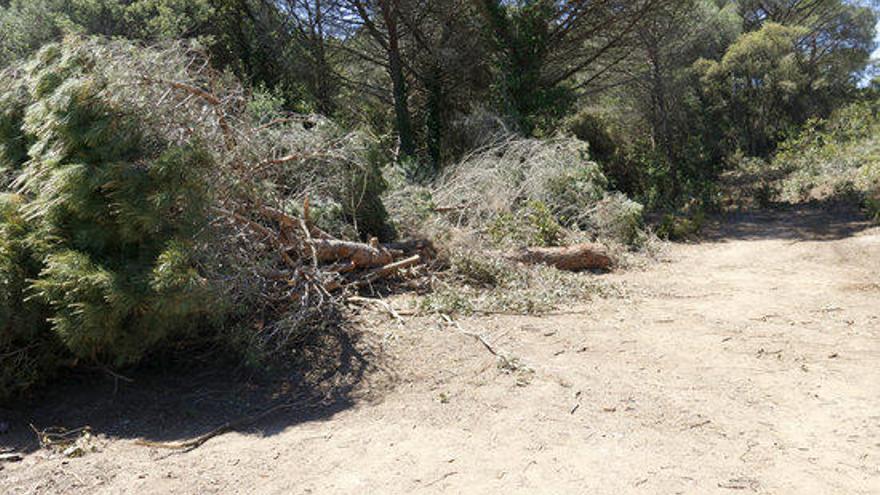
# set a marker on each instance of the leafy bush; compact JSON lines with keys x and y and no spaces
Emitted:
{"x":752,"y":181}
{"x":482,"y":283}
{"x":28,"y":351}
{"x":411,"y":206}
{"x":593,"y":128}
{"x":104,"y":237}
{"x":341,"y":172}
{"x":533,"y":225}
{"x":479,"y":271}
{"x":836,"y":158}
{"x":619,"y":218}
{"x":681,"y":227}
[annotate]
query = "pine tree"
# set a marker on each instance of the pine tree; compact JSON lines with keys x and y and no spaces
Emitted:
{"x":28,"y":351}
{"x":112,"y":213}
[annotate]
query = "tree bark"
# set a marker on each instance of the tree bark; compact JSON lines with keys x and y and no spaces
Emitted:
{"x":570,"y":258}
{"x":399,"y":89}
{"x":360,"y":254}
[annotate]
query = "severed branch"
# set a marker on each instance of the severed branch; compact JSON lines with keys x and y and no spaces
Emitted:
{"x":477,"y":336}
{"x":197,"y":442}
{"x":378,"y":302}
{"x":388,"y":270}
{"x":572,"y":258}
{"x":206,"y":96}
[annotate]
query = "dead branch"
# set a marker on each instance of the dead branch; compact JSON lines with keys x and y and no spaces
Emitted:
{"x":477,"y":336}
{"x":204,"y":95}
{"x":388,"y":270}
{"x":378,"y":302}
{"x":288,"y":158}
{"x":268,"y":233}
{"x":310,"y":225}
{"x":423,"y":247}
{"x":224,"y":428}
{"x":243,"y":220}
{"x":11,"y":457}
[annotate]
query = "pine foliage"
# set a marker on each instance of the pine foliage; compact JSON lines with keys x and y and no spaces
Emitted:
{"x":100,"y":238}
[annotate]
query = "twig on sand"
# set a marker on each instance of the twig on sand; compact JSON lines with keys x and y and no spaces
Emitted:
{"x":438,"y":480}
{"x":477,"y":336}
{"x":698,"y":425}
{"x":117,"y":377}
{"x":740,"y":484}
{"x":57,"y":435}
{"x":11,"y":457}
{"x":378,"y":302}
{"x":198,"y":441}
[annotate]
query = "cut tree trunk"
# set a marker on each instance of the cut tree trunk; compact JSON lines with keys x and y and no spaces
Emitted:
{"x":359,"y":254}
{"x":571,"y":258}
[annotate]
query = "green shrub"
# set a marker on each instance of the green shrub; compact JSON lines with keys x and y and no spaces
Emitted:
{"x":595,"y":130}
{"x":619,"y":218}
{"x":483,"y":284}
{"x":752,"y":181}
{"x":28,"y":349}
{"x":479,"y":271}
{"x":103,"y":239}
{"x":13,"y":145}
{"x":572,"y":193}
{"x":680,"y":227}
{"x":530,"y":192}
{"x":837,"y":158}
{"x":533,"y":225}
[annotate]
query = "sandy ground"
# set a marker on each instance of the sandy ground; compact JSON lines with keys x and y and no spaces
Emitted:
{"x":747,"y":363}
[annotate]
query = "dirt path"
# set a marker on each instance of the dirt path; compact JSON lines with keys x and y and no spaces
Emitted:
{"x":747,"y":363}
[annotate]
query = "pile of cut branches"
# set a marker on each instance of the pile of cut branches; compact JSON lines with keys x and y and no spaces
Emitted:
{"x":318,"y":263}
{"x":288,"y":191}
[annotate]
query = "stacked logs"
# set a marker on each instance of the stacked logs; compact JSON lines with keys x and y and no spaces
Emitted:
{"x":314,"y":258}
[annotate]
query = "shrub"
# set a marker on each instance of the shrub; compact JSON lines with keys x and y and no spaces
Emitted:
{"x":478,"y":270}
{"x":339,"y":171}
{"x":752,"y":181}
{"x":681,"y":227}
{"x":593,"y":129}
{"x":13,"y":145}
{"x":619,"y":218}
{"x":836,"y":158}
{"x":104,"y":239}
{"x":533,"y":225}
{"x":480,"y":283}
{"x":28,"y":350}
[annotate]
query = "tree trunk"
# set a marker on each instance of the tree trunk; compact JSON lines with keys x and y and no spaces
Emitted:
{"x":571,"y":258}
{"x":399,"y":88}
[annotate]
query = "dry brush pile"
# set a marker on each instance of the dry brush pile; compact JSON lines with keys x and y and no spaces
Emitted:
{"x":507,"y":212}
{"x":148,"y":199}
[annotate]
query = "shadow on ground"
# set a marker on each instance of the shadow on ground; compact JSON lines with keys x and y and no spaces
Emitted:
{"x":168,"y":404}
{"x":797,"y":223}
